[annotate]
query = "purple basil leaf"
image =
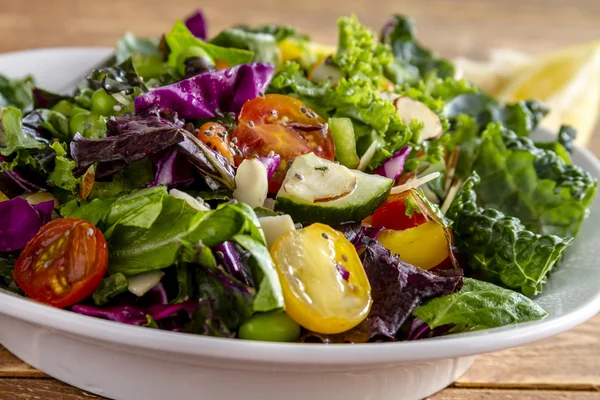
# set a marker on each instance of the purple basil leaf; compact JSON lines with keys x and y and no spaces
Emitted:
{"x":197,"y":24}
{"x":271,"y":162}
{"x":393,"y":166}
{"x":20,"y":221}
{"x":209,"y":94}
{"x":398,"y":288}
{"x":132,"y":138}
{"x":355,"y":232}
{"x":45,"y":99}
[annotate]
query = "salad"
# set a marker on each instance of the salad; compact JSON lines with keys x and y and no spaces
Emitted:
{"x":261,"y":186}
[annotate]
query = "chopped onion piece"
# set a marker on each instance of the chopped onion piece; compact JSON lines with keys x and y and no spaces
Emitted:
{"x":196,"y":204}
{"x":273,"y":227}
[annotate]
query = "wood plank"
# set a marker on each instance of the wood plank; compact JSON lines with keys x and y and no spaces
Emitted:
{"x":11,"y":366}
{"x":479,"y":394}
{"x":41,"y":389}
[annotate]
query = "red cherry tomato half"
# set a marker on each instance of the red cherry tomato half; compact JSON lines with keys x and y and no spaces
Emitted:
{"x":63,"y":263}
{"x":392,"y":215}
{"x":285,"y":126}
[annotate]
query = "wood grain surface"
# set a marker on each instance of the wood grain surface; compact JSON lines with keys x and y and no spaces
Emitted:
{"x":564,"y":367}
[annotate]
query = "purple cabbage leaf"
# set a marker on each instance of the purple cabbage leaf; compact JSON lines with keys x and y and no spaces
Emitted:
{"x":20,"y":221}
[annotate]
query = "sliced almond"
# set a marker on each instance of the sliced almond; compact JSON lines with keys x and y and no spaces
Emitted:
{"x":451,"y":195}
{"x":409,"y":109}
{"x":415,"y":183}
{"x":368,"y":156}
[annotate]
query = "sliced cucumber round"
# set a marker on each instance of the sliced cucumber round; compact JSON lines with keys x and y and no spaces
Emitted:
{"x":319,"y":199}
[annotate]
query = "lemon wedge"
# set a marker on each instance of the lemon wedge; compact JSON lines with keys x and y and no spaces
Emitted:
{"x":568,"y":81}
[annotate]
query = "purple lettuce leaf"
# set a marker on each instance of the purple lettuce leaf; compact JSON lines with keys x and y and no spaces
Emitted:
{"x":209,"y":94}
{"x":355,"y":232}
{"x":398,"y":288}
{"x":20,"y":221}
{"x":196,"y":23}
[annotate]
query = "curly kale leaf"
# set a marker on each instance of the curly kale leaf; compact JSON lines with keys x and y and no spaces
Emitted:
{"x":532,"y":184}
{"x":411,"y":57}
{"x":500,"y":247}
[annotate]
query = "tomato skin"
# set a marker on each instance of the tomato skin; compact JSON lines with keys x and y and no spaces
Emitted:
{"x":63,"y":263}
{"x":392,"y":215}
{"x":325,"y":287}
{"x":216,"y":137}
{"x":285,"y":126}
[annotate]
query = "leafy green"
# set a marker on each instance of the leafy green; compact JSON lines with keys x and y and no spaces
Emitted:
{"x":109,"y":288}
{"x":500,"y":247}
{"x":479,"y":305}
{"x":13,"y":136}
{"x":263,"y":45}
{"x":134,"y":250}
{"x":129,"y":45}
{"x":185,"y":283}
{"x":412,"y":60}
{"x":121,"y":77}
{"x":93,"y":211}
{"x":134,"y":176}
{"x":53,"y":122}
{"x":7,"y":263}
{"x":521,"y":117}
{"x":532,"y":184}
{"x":139,"y":209}
{"x":180,"y":39}
{"x":16,"y":92}
{"x":279,"y":32}
{"x":465,"y":135}
{"x":62,"y":175}
{"x":358,"y":53}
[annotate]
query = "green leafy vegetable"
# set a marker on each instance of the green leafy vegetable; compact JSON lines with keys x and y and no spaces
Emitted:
{"x":532,"y":184}
{"x":52,"y":122}
{"x":13,"y":136}
{"x":139,"y":209}
{"x":180,"y":39}
{"x":500,"y":247}
{"x":129,"y":45}
{"x":62,"y":175}
{"x":479,"y":305}
{"x":134,"y":176}
{"x":263,"y":45}
{"x":109,"y":288}
{"x":16,"y":92}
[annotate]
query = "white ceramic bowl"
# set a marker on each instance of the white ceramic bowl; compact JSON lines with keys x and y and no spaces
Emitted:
{"x":125,"y":362}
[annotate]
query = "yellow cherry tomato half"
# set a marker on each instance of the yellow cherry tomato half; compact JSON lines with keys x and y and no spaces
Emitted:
{"x":325,"y":287}
{"x":423,"y":246}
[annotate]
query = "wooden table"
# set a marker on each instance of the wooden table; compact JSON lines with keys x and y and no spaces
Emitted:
{"x":563,"y":367}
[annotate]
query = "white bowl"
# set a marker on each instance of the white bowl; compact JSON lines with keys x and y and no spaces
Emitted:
{"x":126,"y":362}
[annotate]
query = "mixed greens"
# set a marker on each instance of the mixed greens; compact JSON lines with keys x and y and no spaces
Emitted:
{"x":259,"y":185}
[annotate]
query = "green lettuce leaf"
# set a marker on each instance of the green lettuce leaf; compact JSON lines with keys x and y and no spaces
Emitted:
{"x":109,"y":288}
{"x":16,"y":92}
{"x":500,"y":247}
{"x":180,"y":39}
{"x":479,"y":305}
{"x":62,"y":175}
{"x":13,"y":136}
{"x":50,"y":121}
{"x":263,"y":45}
{"x":532,"y":184}
{"x":134,"y":176}
{"x":129,"y":45}
{"x":139,"y":209}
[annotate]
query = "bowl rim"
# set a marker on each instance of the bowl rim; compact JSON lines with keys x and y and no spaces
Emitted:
{"x":141,"y":338}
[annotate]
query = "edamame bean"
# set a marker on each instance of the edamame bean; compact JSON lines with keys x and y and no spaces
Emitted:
{"x":78,"y":121}
{"x":270,"y":327}
{"x":190,"y":52}
{"x":103,"y":103}
{"x":64,"y":107}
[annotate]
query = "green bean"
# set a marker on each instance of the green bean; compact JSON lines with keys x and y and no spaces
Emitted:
{"x":270,"y":327}
{"x":103,"y":103}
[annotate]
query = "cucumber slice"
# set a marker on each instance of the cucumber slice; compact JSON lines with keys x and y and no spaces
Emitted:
{"x":369,"y":193}
{"x":342,"y":131}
